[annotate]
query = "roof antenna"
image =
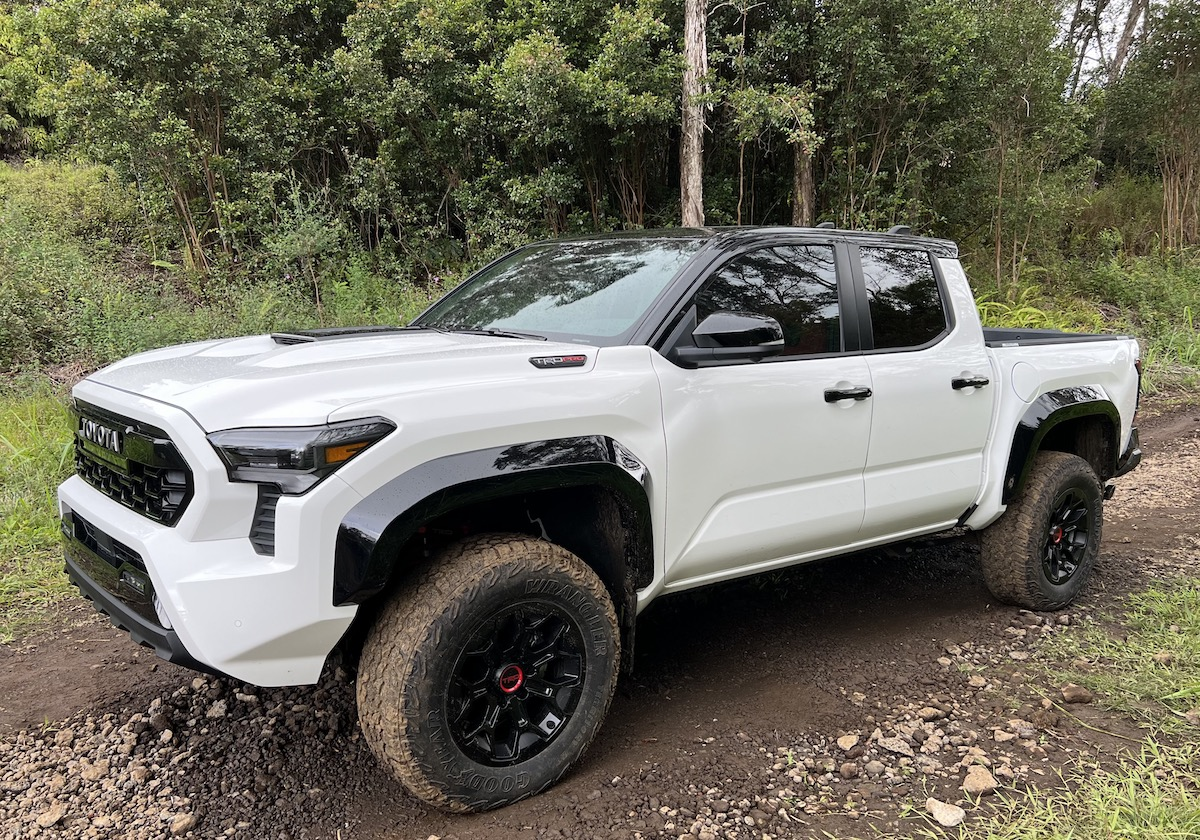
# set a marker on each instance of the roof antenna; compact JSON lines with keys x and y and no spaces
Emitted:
{"x":825,"y":226}
{"x":900,"y":230}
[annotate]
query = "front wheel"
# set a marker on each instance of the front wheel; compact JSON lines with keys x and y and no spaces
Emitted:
{"x":1040,"y":554}
{"x":485,"y":680}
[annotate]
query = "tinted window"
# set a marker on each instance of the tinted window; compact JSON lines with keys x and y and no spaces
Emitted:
{"x":797,"y":286}
{"x":599,"y":288}
{"x":906,"y":304}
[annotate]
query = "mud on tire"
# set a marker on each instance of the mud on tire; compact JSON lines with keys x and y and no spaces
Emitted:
{"x":483,"y":681}
{"x":1040,"y":554}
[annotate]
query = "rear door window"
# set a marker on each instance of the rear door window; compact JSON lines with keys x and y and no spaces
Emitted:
{"x":906,"y":303}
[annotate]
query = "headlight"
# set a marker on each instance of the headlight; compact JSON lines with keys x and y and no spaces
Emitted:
{"x":297,"y":457}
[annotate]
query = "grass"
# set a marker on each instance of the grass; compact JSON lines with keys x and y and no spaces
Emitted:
{"x":1152,"y":794}
{"x":1148,"y":669}
{"x":1144,"y":664}
{"x":35,"y":456}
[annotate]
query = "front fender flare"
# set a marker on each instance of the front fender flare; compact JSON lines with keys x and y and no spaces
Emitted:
{"x":372,"y":533}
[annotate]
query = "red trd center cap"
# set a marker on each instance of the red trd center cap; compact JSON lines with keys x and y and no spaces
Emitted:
{"x":511,"y":678}
{"x":1056,"y":534}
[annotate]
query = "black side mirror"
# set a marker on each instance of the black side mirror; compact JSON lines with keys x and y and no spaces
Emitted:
{"x":732,"y":337}
{"x":738,"y":329}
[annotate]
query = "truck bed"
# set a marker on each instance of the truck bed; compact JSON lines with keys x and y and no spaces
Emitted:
{"x":1004,"y":337}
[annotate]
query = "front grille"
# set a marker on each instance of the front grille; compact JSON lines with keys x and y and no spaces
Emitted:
{"x":132,"y":463}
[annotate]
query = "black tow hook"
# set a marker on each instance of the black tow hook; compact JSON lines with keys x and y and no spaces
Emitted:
{"x":1109,"y":489}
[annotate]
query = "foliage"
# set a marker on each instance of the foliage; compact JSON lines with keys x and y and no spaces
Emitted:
{"x":1153,"y":116}
{"x":1151,"y":672}
{"x":1150,"y":794}
{"x":68,"y":291}
{"x":34,"y":457}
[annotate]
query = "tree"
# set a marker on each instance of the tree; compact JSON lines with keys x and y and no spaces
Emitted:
{"x":1154,"y":115}
{"x":691,"y":151}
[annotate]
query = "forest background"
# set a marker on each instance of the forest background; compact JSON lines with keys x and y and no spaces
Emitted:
{"x":174,"y":170}
{"x":178,"y":169}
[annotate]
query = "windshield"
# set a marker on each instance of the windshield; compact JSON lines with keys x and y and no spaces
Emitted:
{"x":598,"y":289}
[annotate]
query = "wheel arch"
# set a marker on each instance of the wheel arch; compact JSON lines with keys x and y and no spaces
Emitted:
{"x":589,"y":494}
{"x":1081,"y":420}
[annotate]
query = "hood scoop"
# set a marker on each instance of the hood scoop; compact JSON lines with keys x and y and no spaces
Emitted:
{"x":328,"y":333}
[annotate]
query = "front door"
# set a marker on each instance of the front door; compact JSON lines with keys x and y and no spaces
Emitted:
{"x":765,"y":462}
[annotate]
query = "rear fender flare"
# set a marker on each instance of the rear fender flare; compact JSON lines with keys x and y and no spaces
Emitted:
{"x":1047,"y":411}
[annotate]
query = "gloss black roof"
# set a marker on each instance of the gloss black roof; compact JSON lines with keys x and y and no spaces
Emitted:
{"x":727,"y":236}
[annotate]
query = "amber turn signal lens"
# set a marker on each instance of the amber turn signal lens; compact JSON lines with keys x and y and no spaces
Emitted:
{"x":344,"y":452}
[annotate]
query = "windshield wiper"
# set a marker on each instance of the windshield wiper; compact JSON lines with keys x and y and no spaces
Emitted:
{"x":494,"y":333}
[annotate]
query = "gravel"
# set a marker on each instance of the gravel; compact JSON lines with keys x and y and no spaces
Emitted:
{"x":209,"y":759}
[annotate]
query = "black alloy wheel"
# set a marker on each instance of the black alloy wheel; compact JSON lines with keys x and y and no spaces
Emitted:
{"x":516,"y":683}
{"x":1067,"y":537}
{"x":486,"y":676}
{"x":1041,"y":552}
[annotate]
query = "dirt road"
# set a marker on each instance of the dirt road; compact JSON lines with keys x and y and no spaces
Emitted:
{"x":834,"y":698}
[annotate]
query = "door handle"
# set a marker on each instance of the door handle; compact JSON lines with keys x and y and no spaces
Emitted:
{"x":835,"y":395}
{"x":968,"y":382}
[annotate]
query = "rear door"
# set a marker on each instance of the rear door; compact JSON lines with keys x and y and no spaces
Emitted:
{"x":764,"y":462}
{"x":933,"y":398}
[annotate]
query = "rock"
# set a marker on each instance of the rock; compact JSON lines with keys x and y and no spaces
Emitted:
{"x":52,"y":815}
{"x":64,"y":737}
{"x":1002,"y":736}
{"x":929,"y":713}
{"x":979,"y":781}
{"x":139,"y":775}
{"x":875,"y":768}
{"x":896,"y":745}
{"x":1163,"y":658}
{"x":946,"y":814}
{"x":93,"y":772}
{"x":976,"y":681}
{"x":849,"y":770}
{"x":847,"y":742}
{"x":1064,"y":619}
{"x":1018,"y":655}
{"x":216,"y":710}
{"x":182,"y":823}
{"x":945,"y":661}
{"x":721,"y":806}
{"x":160,"y":722}
{"x":1044,"y":718}
{"x":1072,"y":693}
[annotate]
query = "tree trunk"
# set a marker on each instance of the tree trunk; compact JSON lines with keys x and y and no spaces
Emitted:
{"x":803,"y":187}
{"x":1137,"y":8}
{"x":691,"y":151}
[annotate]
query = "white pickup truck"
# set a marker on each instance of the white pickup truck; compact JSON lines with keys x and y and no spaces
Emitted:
{"x":482,"y":502}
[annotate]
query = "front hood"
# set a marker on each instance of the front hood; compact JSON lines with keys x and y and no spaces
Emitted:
{"x":255,"y":381}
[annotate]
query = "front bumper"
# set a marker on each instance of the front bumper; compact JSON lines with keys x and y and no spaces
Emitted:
{"x":121,"y":591}
{"x":197,"y":591}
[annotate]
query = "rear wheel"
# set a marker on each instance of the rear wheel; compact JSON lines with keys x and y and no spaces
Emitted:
{"x":484,"y":681}
{"x":1040,"y":554}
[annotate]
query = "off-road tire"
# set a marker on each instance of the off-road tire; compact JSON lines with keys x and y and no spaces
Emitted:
{"x":1015,"y":548}
{"x":411,"y":666}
